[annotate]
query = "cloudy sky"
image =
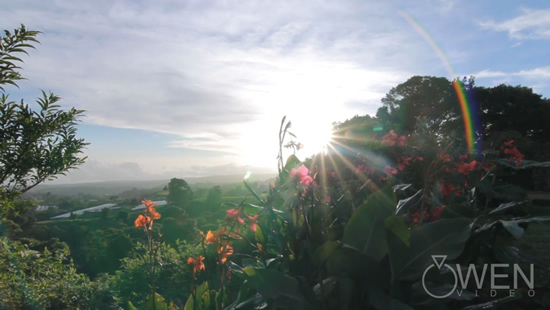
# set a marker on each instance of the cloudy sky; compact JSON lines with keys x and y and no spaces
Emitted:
{"x":188,"y":88}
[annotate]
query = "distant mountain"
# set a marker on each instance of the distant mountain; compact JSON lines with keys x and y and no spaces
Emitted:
{"x":115,"y":187}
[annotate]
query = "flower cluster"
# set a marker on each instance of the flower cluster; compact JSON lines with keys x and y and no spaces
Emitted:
{"x":301,"y":175}
{"x":510,"y":149}
{"x":426,"y":217}
{"x":392,"y":139}
{"x":146,"y":219}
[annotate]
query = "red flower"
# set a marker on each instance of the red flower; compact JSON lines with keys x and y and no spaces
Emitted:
{"x":516,"y":155}
{"x":391,"y":139}
{"x":443,"y":156}
{"x":234,"y":214}
{"x":252,"y":220}
{"x":364,"y":169}
{"x":403,"y":162}
{"x":436,"y":213}
{"x":464,"y":168}
{"x":509,"y":143}
{"x":301,"y":174}
{"x":390,"y":170}
{"x":416,"y":216}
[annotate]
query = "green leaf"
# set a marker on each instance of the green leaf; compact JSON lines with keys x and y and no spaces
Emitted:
{"x":156,"y":302}
{"x":366,"y":230}
{"x":524,"y":164}
{"x":513,"y":228}
{"x":379,"y":300}
{"x":405,"y":204}
{"x":323,"y":253}
{"x":493,"y":304}
{"x":292,"y":162}
{"x":274,"y":284}
{"x":253,"y":192}
{"x":505,"y":207}
{"x":442,"y":237}
{"x":199,"y":293}
{"x":259,"y":234}
{"x":396,"y":224}
{"x":131,"y":306}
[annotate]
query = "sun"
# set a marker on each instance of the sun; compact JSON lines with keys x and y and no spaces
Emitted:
{"x":315,"y":137}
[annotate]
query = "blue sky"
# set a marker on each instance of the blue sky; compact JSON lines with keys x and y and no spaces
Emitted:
{"x":190,"y":88}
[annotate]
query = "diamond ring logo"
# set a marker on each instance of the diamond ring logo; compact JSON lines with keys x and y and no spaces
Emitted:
{"x":439,"y":262}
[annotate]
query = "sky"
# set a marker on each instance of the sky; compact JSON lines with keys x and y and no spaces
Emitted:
{"x":197,"y":88}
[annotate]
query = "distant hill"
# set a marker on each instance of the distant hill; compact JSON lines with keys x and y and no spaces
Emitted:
{"x":115,"y":187}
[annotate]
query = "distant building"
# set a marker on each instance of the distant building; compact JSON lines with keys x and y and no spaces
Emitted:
{"x":92,"y":209}
{"x":42,"y":208}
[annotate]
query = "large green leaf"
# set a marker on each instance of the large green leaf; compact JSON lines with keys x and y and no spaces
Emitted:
{"x":404,"y":205}
{"x":397,"y":225}
{"x":506,"y":192}
{"x":275,"y":284}
{"x":442,"y":237}
{"x":504,"y":208}
{"x":157,"y":302}
{"x":366,"y":230}
{"x":196,"y":304}
{"x":379,"y":300}
{"x":524,"y":164}
{"x":292,"y":162}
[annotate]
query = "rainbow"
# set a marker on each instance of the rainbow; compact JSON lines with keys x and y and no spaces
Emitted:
{"x":471,"y":122}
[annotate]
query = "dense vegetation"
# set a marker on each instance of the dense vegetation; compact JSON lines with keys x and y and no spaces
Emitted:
{"x":353,"y":228}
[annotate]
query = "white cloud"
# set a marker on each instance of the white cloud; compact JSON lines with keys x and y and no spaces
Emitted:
{"x":224,"y":73}
{"x":531,"y":24}
{"x":536,"y":73}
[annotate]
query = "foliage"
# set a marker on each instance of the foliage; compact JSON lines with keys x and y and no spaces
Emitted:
{"x":132,"y":283}
{"x":36,"y":144}
{"x":31,"y":279}
{"x":179,"y":192}
{"x":347,"y":234}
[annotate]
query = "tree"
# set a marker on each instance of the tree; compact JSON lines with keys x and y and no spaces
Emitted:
{"x":423,"y":104}
{"x":179,"y":192}
{"x":36,"y":145}
{"x":214,"y":198}
{"x":518,"y":108}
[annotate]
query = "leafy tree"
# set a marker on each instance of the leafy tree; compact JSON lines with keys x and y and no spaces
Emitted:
{"x":214,"y":198}
{"x":179,"y":192}
{"x":506,"y":107}
{"x":425,"y":105}
{"x":36,"y":145}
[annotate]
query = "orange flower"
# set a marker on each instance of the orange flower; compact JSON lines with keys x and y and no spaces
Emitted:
{"x":213,"y":237}
{"x":141,"y":221}
{"x":198,"y":264}
{"x":225,"y":252}
{"x":154,"y":214}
